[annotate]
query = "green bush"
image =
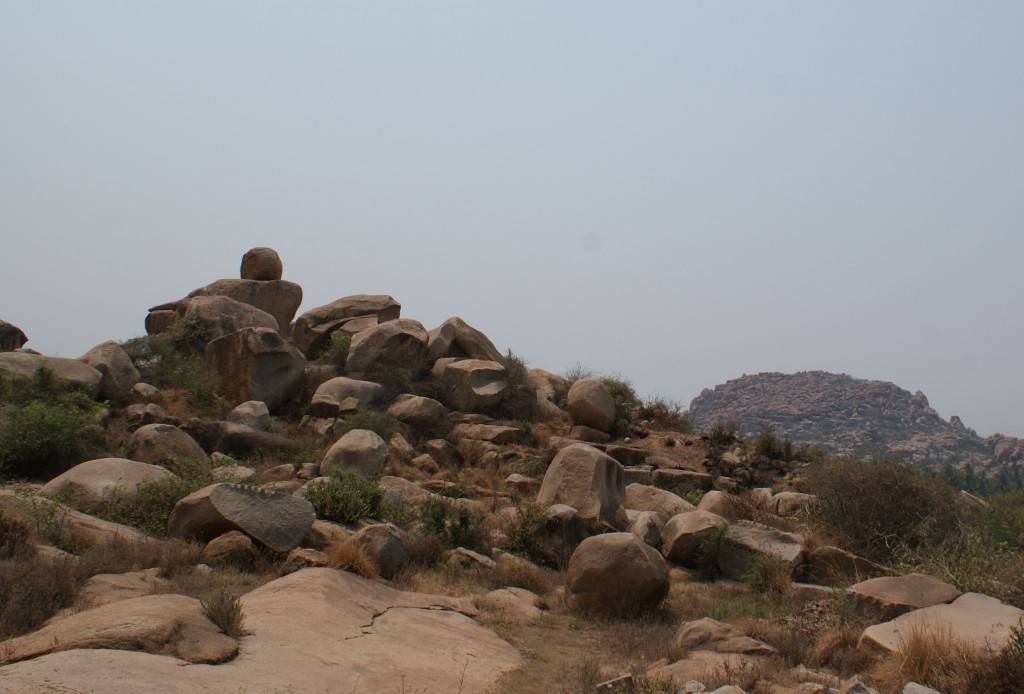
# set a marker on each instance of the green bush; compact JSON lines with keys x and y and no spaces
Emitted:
{"x":626,"y":399}
{"x":335,"y":351}
{"x":520,"y":403}
{"x":345,"y":497}
{"x":381,"y":423}
{"x":454,"y":526}
{"x":525,"y":532}
{"x":667,"y":415}
{"x":168,"y":360}
{"x":152,"y":506}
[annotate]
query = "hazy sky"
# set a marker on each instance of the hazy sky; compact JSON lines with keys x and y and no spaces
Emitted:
{"x":677,"y":192}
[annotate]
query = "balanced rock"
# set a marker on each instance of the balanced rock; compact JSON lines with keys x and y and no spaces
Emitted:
{"x":118,"y":374}
{"x":589,"y":481}
{"x":591,"y":405}
{"x":396,"y":344}
{"x":210,"y":317}
{"x":313,"y":328}
{"x":279,"y":298}
{"x":359,"y":450}
{"x":277,"y":520}
{"x":167,"y":446}
{"x":262,"y":264}
{"x":456,"y":338}
{"x":342,"y":395}
{"x":25,"y":365}
{"x":105,"y":478}
{"x":256,"y":364}
{"x":616,"y":573}
{"x":745,"y":544}
{"x":11,"y":337}
{"x":418,"y":411}
{"x":474,"y":384}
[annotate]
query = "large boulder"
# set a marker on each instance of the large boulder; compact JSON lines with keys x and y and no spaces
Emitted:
{"x":263,"y":264}
{"x":279,"y":298}
{"x":210,"y":317}
{"x":256,"y":364}
{"x":457,"y":338}
{"x":385,"y":545}
{"x":398,"y":344}
{"x":642,"y":497}
{"x":616,"y":573}
{"x":474,"y":384}
{"x":589,"y":481}
{"x":359,"y":450}
{"x":746,"y":544}
{"x":118,"y":373}
{"x":25,"y":365}
{"x":105,"y":478}
{"x":894,"y":595}
{"x":279,"y":521}
{"x":591,"y":405}
{"x":167,"y":446}
{"x":418,"y":411}
{"x":313,"y":328}
{"x":340,"y":395}
{"x":11,"y":337}
{"x":691,"y":537}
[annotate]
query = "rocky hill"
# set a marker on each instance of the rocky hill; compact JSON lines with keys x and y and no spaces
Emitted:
{"x":851,"y":416}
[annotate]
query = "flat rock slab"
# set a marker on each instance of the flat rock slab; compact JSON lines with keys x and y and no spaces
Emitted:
{"x":895,"y":595}
{"x":700,"y":665}
{"x":317,"y":630}
{"x":103,"y":589}
{"x":978,"y":619}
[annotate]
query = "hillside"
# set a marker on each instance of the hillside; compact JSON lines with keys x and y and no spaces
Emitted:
{"x":851,"y":416}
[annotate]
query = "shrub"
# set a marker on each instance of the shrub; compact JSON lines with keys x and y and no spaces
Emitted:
{"x":666,"y":415}
{"x":577,"y":373}
{"x":15,"y":539}
{"x":769,"y":577}
{"x":335,"y":351}
{"x":770,"y":446}
{"x":32,"y":590}
{"x":168,"y":360}
{"x":521,"y":401}
{"x":348,"y":556}
{"x":720,"y":438}
{"x":346,"y":497}
{"x":876,"y":508}
{"x":151,"y":508}
{"x":454,"y":526}
{"x":225,"y":610}
{"x":626,"y":399}
{"x":381,"y":423}
{"x":525,"y":532}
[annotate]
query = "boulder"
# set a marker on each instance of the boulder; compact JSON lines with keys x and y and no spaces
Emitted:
{"x":167,"y":446}
{"x":398,"y":344}
{"x":342,"y":395}
{"x":980,"y":620}
{"x":551,"y":390}
{"x":456,"y":338}
{"x":699,"y":664}
{"x":385,"y":545}
{"x":834,"y":566}
{"x":468,"y":560}
{"x":522,"y":485}
{"x":514,"y":604}
{"x":211,"y":317}
{"x":234,"y":439}
{"x":263,"y":264}
{"x":894,"y":595}
{"x":589,"y":481}
{"x":474,"y":384}
{"x":790,"y":503}
{"x":117,"y":373}
{"x":160,"y":320}
{"x":641,"y":497}
{"x":492,"y":433}
{"x":233,"y":548}
{"x":279,"y":521}
{"x":313,"y":328}
{"x":360,"y":450}
{"x":278,"y":298}
{"x":689,"y":537}
{"x":255,"y":364}
{"x":647,"y":526}
{"x":591,"y":405}
{"x":688,"y":480}
{"x":582,"y":433}
{"x":232,"y":473}
{"x":25,"y":365}
{"x":616,"y":573}
{"x":720,"y":503}
{"x":745,"y":544}
{"x":105,"y":478}
{"x":140,"y":415}
{"x":11,"y":337}
{"x":145,"y":394}
{"x":253,"y":414}
{"x":418,"y":411}
{"x":711,"y":635}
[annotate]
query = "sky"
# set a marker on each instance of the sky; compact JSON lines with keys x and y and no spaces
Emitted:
{"x":674,"y":192}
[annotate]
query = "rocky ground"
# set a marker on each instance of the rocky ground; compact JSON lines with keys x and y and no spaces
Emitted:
{"x":348,"y":502}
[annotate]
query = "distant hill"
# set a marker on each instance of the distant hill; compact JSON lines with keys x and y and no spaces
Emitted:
{"x":854,"y":417}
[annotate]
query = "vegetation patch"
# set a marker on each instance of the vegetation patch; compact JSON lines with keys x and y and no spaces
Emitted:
{"x":345,"y":497}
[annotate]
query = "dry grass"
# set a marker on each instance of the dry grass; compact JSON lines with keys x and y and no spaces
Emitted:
{"x":348,"y":556}
{"x":837,"y":649}
{"x":225,"y":610}
{"x":33,"y":589}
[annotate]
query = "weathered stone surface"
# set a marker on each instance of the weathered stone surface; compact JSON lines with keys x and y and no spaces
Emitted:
{"x":233,"y":548}
{"x":720,"y":503}
{"x":359,"y":450}
{"x":213,"y":317}
{"x":277,"y":520}
{"x":139,"y":415}
{"x":341,"y":395}
{"x":894,"y":595}
{"x":698,"y":665}
{"x":117,"y":373}
{"x":515,"y":604}
{"x":711,"y":635}
{"x":103,"y":589}
{"x":172,"y":624}
{"x":745,"y":544}
{"x":253,"y":414}
{"x":160,"y":320}
{"x":591,"y":405}
{"x":385,"y":545}
{"x":980,"y":620}
{"x":278,"y":298}
{"x":468,"y":560}
{"x":522,"y":485}
{"x":396,"y":344}
{"x":75,"y":526}
{"x":640,"y":497}
{"x":145,"y":393}
{"x":616,"y":573}
{"x":688,"y":536}
{"x":647,"y":526}
{"x":255,"y":364}
{"x":551,"y":390}
{"x":474,"y":384}
{"x":263,"y":264}
{"x":11,"y":337}
{"x":582,"y":433}
{"x":456,"y":338}
{"x":418,"y":411}
{"x":790,"y":503}
{"x":313,"y":327}
{"x":167,"y":446}
{"x":492,"y":433}
{"x":105,"y":478}
{"x":669,"y":478}
{"x":834,"y":566}
{"x":589,"y":481}
{"x":25,"y":365}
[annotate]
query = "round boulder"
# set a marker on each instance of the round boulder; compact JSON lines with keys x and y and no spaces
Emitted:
{"x":384,"y":545}
{"x":118,"y":374}
{"x":105,"y":478}
{"x":167,"y":446}
{"x":396,"y":344}
{"x":617,"y":574}
{"x":261,"y":264}
{"x":360,"y":450}
{"x":591,"y":405}
{"x":11,"y":337}
{"x":690,"y":536}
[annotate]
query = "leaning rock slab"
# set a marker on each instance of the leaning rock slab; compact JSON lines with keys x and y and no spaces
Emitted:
{"x":745,"y":544}
{"x":280,"y":521}
{"x":457,"y":338}
{"x":104,"y":478}
{"x":687,"y":537}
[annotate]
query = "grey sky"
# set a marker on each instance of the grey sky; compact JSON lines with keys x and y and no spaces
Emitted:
{"x":677,"y":192}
